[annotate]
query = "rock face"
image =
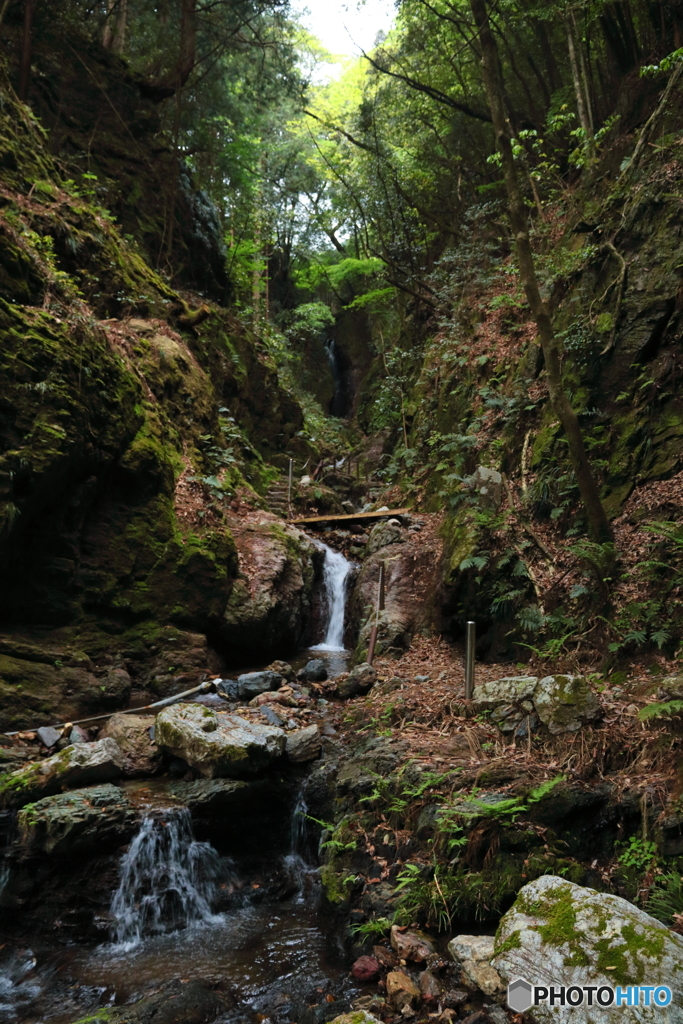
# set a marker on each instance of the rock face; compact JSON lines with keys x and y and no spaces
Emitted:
{"x":83,"y":820}
{"x":270,"y":610}
{"x":217,"y":745}
{"x":558,"y":933}
{"x":474,"y":953}
{"x":79,"y":765}
{"x":304,"y":744}
{"x":561,"y":703}
{"x":406,"y":565}
{"x":132,"y":733}
{"x":382,"y":535}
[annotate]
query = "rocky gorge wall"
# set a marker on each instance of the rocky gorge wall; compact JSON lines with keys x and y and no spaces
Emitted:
{"x":128,"y":421}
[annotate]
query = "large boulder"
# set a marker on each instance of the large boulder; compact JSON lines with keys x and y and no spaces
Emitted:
{"x":558,"y":933}
{"x":133,"y":734}
{"x":252,"y":683}
{"x":382,"y":535}
{"x":304,"y":744}
{"x":75,"y":822}
{"x":561,"y":703}
{"x":217,"y":745}
{"x":270,"y":604}
{"x":359,"y":680}
{"x":82,"y":764}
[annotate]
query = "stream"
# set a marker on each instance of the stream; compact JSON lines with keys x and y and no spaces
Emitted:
{"x":185,"y":910}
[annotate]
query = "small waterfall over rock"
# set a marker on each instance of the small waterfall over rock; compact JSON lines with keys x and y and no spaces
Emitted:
{"x":335,"y":573}
{"x":167,"y":879}
{"x":299,"y":870}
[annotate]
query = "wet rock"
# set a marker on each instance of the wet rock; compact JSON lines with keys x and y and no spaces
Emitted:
{"x":478,"y":1017}
{"x":411,"y":945}
{"x":48,"y":736}
{"x":78,"y":735}
{"x":430,"y":987}
{"x":79,"y":765}
{"x":359,"y":680}
{"x":132,"y":733}
{"x":284,"y":669}
{"x":402,"y":992}
{"x":227,"y":688}
{"x":365,"y":968}
{"x":454,"y":998}
{"x":356,"y":1017}
{"x":192,"y":1002}
{"x":562,"y":703}
{"x":304,"y":744}
{"x":382,"y":535}
{"x":605,"y":931}
{"x":252,"y":683}
{"x":75,"y":822}
{"x":218,"y":745}
{"x":386,"y":957}
{"x":314,"y":672}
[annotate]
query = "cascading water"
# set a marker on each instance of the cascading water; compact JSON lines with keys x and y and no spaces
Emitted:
{"x":167,"y":880}
{"x":335,"y":574}
{"x":298,"y":868}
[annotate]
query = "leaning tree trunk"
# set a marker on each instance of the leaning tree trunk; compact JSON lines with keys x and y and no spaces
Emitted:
{"x":598,"y":526}
{"x":580,"y":88}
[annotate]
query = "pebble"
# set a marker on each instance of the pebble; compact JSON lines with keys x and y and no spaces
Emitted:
{"x":422,"y":679}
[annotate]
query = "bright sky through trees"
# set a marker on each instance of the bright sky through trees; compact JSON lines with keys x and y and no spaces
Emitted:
{"x":346,"y":26}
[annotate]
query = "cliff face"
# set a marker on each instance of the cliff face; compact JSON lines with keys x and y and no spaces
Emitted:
{"x":127,"y":424}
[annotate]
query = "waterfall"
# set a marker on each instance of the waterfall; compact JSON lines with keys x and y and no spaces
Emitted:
{"x":335,"y":572}
{"x":298,"y":868}
{"x":167,"y":879}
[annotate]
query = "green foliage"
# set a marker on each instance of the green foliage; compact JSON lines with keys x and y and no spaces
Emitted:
{"x":375,"y":929}
{"x":664,"y":709}
{"x":665,"y":899}
{"x":639,"y":854}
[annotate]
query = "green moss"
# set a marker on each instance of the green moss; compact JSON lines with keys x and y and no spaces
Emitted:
{"x":333,"y":884}
{"x":559,"y":929}
{"x":630,"y":961}
{"x":513,"y":941}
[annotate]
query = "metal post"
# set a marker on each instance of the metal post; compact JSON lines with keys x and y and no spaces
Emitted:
{"x":289,"y":487}
{"x":469,"y":660}
{"x":381,"y":586}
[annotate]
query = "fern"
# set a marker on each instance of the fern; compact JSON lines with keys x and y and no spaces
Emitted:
{"x":660,"y":710}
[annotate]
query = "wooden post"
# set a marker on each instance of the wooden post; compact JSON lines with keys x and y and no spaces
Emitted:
{"x":380,"y":607}
{"x":289,"y":488}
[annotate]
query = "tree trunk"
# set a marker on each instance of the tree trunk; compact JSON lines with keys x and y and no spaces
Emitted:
{"x":25,"y":63}
{"x":598,"y":525}
{"x":119,"y":41}
{"x":581,"y":97}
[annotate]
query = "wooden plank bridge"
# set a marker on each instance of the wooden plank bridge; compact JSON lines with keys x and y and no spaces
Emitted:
{"x":382,"y":514}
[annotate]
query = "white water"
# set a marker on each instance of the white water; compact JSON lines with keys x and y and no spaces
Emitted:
{"x":303,"y":874}
{"x":167,"y":880}
{"x":335,"y":572}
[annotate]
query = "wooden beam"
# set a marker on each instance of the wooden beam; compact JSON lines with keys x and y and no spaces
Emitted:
{"x":354,"y":515}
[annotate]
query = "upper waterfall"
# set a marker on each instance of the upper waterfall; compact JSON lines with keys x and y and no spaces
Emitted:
{"x":335,"y":573}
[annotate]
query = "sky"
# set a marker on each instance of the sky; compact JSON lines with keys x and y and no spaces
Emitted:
{"x":347,"y":26}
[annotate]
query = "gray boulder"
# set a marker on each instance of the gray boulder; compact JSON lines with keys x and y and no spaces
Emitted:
{"x":218,"y":745}
{"x":558,"y":933}
{"x":561,"y":703}
{"x":382,"y":535}
{"x":82,"y":764}
{"x":75,"y":822}
{"x":314,"y":672}
{"x":252,"y":683}
{"x":133,"y":734}
{"x":304,"y":744}
{"x":359,"y":680}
